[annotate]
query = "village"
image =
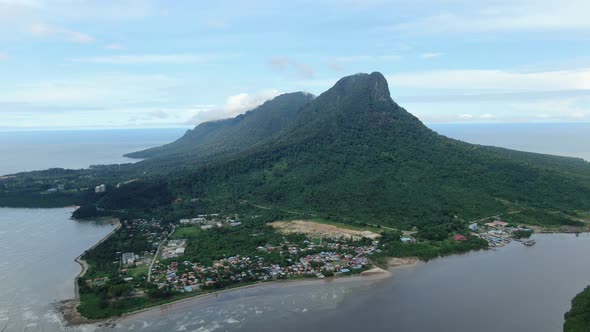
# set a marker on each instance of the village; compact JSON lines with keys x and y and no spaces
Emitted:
{"x":499,"y":233}
{"x":300,"y":261}
{"x":314,"y":257}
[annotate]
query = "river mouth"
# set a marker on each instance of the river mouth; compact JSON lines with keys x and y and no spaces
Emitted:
{"x":514,"y":288}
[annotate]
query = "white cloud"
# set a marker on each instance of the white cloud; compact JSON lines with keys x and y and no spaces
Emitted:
{"x":146,"y":59}
{"x":431,"y":55}
{"x":466,"y":116}
{"x":288,"y":65}
{"x":159,"y":114}
{"x":474,"y":79}
{"x":498,"y":15}
{"x":365,"y":58}
{"x":78,"y":10}
{"x":45,"y":30}
{"x":3,"y":57}
{"x":94,"y":90}
{"x":234,"y":105}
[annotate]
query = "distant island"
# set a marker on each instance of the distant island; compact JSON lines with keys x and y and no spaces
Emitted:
{"x":300,"y":187}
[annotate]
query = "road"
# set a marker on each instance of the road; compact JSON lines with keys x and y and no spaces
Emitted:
{"x":149,"y":276}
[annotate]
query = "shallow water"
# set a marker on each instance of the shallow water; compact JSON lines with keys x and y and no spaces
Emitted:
{"x":38,"y":248}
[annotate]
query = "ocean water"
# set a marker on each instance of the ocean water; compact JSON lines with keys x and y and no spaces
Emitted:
{"x":571,"y":140}
{"x":515,"y":288}
{"x":37,"y":268}
{"x":37,"y":150}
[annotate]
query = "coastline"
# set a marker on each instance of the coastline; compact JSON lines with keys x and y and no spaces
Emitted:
{"x":68,"y":309}
{"x":71,"y":317}
{"x":372,"y":275}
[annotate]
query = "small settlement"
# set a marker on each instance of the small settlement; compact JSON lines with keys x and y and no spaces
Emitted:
{"x":211,"y":220}
{"x":305,"y":260}
{"x":498,"y":233}
{"x":328,"y":255}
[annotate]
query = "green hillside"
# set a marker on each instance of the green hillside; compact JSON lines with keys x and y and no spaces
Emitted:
{"x":351,"y":154}
{"x":214,"y":139}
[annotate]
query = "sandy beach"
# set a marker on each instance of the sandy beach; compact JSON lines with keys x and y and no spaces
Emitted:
{"x":374,"y":274}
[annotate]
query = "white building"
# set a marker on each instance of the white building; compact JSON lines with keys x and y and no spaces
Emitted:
{"x":128,"y":258}
{"x":100,"y":189}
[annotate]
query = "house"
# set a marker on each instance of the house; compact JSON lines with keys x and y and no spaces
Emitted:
{"x":497,"y":224}
{"x":100,"y":189}
{"x":128,"y":258}
{"x":474,"y":227}
{"x":459,"y":237}
{"x":407,"y":239}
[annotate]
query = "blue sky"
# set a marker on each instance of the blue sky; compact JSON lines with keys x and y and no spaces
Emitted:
{"x":134,"y":64}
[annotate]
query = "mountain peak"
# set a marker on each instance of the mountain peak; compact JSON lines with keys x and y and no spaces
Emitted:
{"x":375,"y":84}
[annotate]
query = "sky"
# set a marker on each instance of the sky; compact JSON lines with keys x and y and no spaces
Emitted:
{"x":76,"y":64}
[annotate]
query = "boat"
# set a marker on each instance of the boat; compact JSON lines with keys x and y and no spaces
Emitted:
{"x":529,"y":243}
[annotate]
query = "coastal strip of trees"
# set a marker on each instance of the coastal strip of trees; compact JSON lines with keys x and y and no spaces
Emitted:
{"x":578,"y":318}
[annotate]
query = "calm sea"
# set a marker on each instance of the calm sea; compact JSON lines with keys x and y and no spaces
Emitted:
{"x":571,"y":140}
{"x":36,"y":150}
{"x":516,"y":288}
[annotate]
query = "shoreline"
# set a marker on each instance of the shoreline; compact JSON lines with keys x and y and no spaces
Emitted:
{"x":373,"y":274}
{"x":71,"y":316}
{"x":68,"y":309}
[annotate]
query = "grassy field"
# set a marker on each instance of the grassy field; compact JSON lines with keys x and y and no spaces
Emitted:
{"x":142,"y":269}
{"x":186,"y":232}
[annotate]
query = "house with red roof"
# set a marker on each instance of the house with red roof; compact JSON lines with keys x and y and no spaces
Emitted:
{"x":459,"y":237}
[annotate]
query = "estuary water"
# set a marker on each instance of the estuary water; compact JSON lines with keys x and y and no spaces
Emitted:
{"x":515,"y":288}
{"x":37,"y":268}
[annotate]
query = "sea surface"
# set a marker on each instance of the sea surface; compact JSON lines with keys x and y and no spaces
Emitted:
{"x":564,"y":139}
{"x":515,"y":288}
{"x":74,"y":149}
{"x":37,"y":268}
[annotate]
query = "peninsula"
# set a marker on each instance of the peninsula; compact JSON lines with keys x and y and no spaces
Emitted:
{"x":300,"y":187}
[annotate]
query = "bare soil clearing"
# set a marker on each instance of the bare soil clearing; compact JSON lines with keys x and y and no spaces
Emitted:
{"x":320,"y":230}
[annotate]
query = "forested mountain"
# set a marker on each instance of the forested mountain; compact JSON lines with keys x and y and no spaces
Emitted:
{"x":354,"y":153}
{"x":351,"y":154}
{"x":223,"y":137}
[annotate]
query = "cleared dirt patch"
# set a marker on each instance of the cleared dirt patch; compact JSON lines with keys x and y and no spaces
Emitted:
{"x":315,"y":229}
